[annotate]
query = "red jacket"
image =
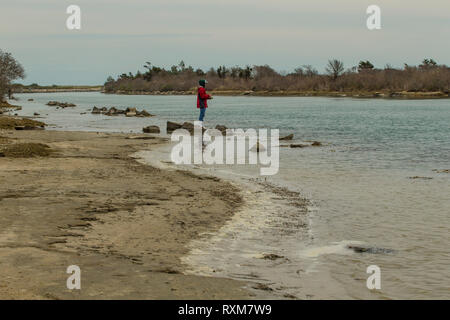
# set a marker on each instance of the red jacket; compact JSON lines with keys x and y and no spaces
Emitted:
{"x":202,"y":98}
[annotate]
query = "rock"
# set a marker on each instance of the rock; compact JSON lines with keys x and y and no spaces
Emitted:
{"x":364,"y":249}
{"x":60,"y":104}
{"x":423,"y":178}
{"x":316,"y":144}
{"x":258,"y":147}
{"x":28,"y":128}
{"x":151,"y":129}
{"x":112,"y":112}
{"x":221,"y":128}
{"x":2,"y":155}
{"x":172,"y":126}
{"x":143,"y":113}
{"x":289,"y":137}
{"x":442,"y":171}
{"x":298,"y":145}
{"x":189,"y":127}
{"x":272,"y":256}
{"x":262,"y":286}
{"x":95,"y":110}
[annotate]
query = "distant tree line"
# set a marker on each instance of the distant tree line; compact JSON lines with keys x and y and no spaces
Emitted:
{"x":427,"y":77}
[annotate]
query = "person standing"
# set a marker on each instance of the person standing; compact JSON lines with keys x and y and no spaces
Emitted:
{"x":202,"y":99}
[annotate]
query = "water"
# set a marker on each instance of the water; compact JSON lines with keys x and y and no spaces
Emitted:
{"x":358,"y":186}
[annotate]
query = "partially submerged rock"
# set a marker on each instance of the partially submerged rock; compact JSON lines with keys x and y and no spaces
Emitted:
{"x":222,"y":129}
{"x":96,"y":110}
{"x":258,"y":147}
{"x":366,"y":249}
{"x":130,"y":112}
{"x":172,"y":126}
{"x":151,"y":129}
{"x":442,"y":171}
{"x":188,"y":126}
{"x":289,"y":137}
{"x":418,"y":177}
{"x":61,"y":104}
{"x":298,"y":145}
{"x":113,"y":111}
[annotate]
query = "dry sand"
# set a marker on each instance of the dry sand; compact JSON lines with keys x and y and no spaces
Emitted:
{"x":124,"y":224}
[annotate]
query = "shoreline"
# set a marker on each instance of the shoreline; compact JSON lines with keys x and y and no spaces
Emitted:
{"x":395,"y":95}
{"x":325,"y":94}
{"x":73,"y":208}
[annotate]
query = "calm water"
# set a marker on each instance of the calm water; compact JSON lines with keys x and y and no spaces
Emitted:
{"x":358,"y":185}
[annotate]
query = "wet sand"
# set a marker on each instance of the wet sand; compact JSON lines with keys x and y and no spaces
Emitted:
{"x":125,"y":224}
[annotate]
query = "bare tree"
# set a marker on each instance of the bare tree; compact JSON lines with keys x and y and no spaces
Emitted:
{"x":10,"y":70}
{"x":335,"y":68}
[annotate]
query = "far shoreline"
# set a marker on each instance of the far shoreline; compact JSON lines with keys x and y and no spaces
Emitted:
{"x":404,"y":95}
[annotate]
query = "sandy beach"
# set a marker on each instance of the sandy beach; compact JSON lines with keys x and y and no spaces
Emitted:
{"x":126,"y":225}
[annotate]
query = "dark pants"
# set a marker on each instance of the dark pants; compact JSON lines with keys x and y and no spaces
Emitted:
{"x":202,"y":114}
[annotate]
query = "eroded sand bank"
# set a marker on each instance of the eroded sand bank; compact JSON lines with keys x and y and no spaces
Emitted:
{"x":125,"y":224}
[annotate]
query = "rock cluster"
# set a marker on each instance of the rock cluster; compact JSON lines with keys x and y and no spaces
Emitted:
{"x":61,"y":104}
{"x":113,"y":111}
{"x":172,"y":126}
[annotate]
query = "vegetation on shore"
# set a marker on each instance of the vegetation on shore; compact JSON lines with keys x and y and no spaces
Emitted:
{"x":425,"y":80}
{"x":10,"y":70}
{"x":35,"y":88}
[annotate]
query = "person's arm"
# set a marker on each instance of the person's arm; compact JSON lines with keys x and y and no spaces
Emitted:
{"x":203,"y":94}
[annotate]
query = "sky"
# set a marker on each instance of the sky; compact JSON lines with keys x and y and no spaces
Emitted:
{"x":120,"y":36}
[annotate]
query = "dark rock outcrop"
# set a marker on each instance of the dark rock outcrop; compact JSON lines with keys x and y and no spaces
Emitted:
{"x":151,"y":129}
{"x":172,"y":126}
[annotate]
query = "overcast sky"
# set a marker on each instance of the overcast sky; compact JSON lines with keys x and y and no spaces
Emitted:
{"x":119,"y":36}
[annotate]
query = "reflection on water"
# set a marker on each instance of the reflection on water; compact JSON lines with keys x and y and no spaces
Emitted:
{"x":359,"y":183}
